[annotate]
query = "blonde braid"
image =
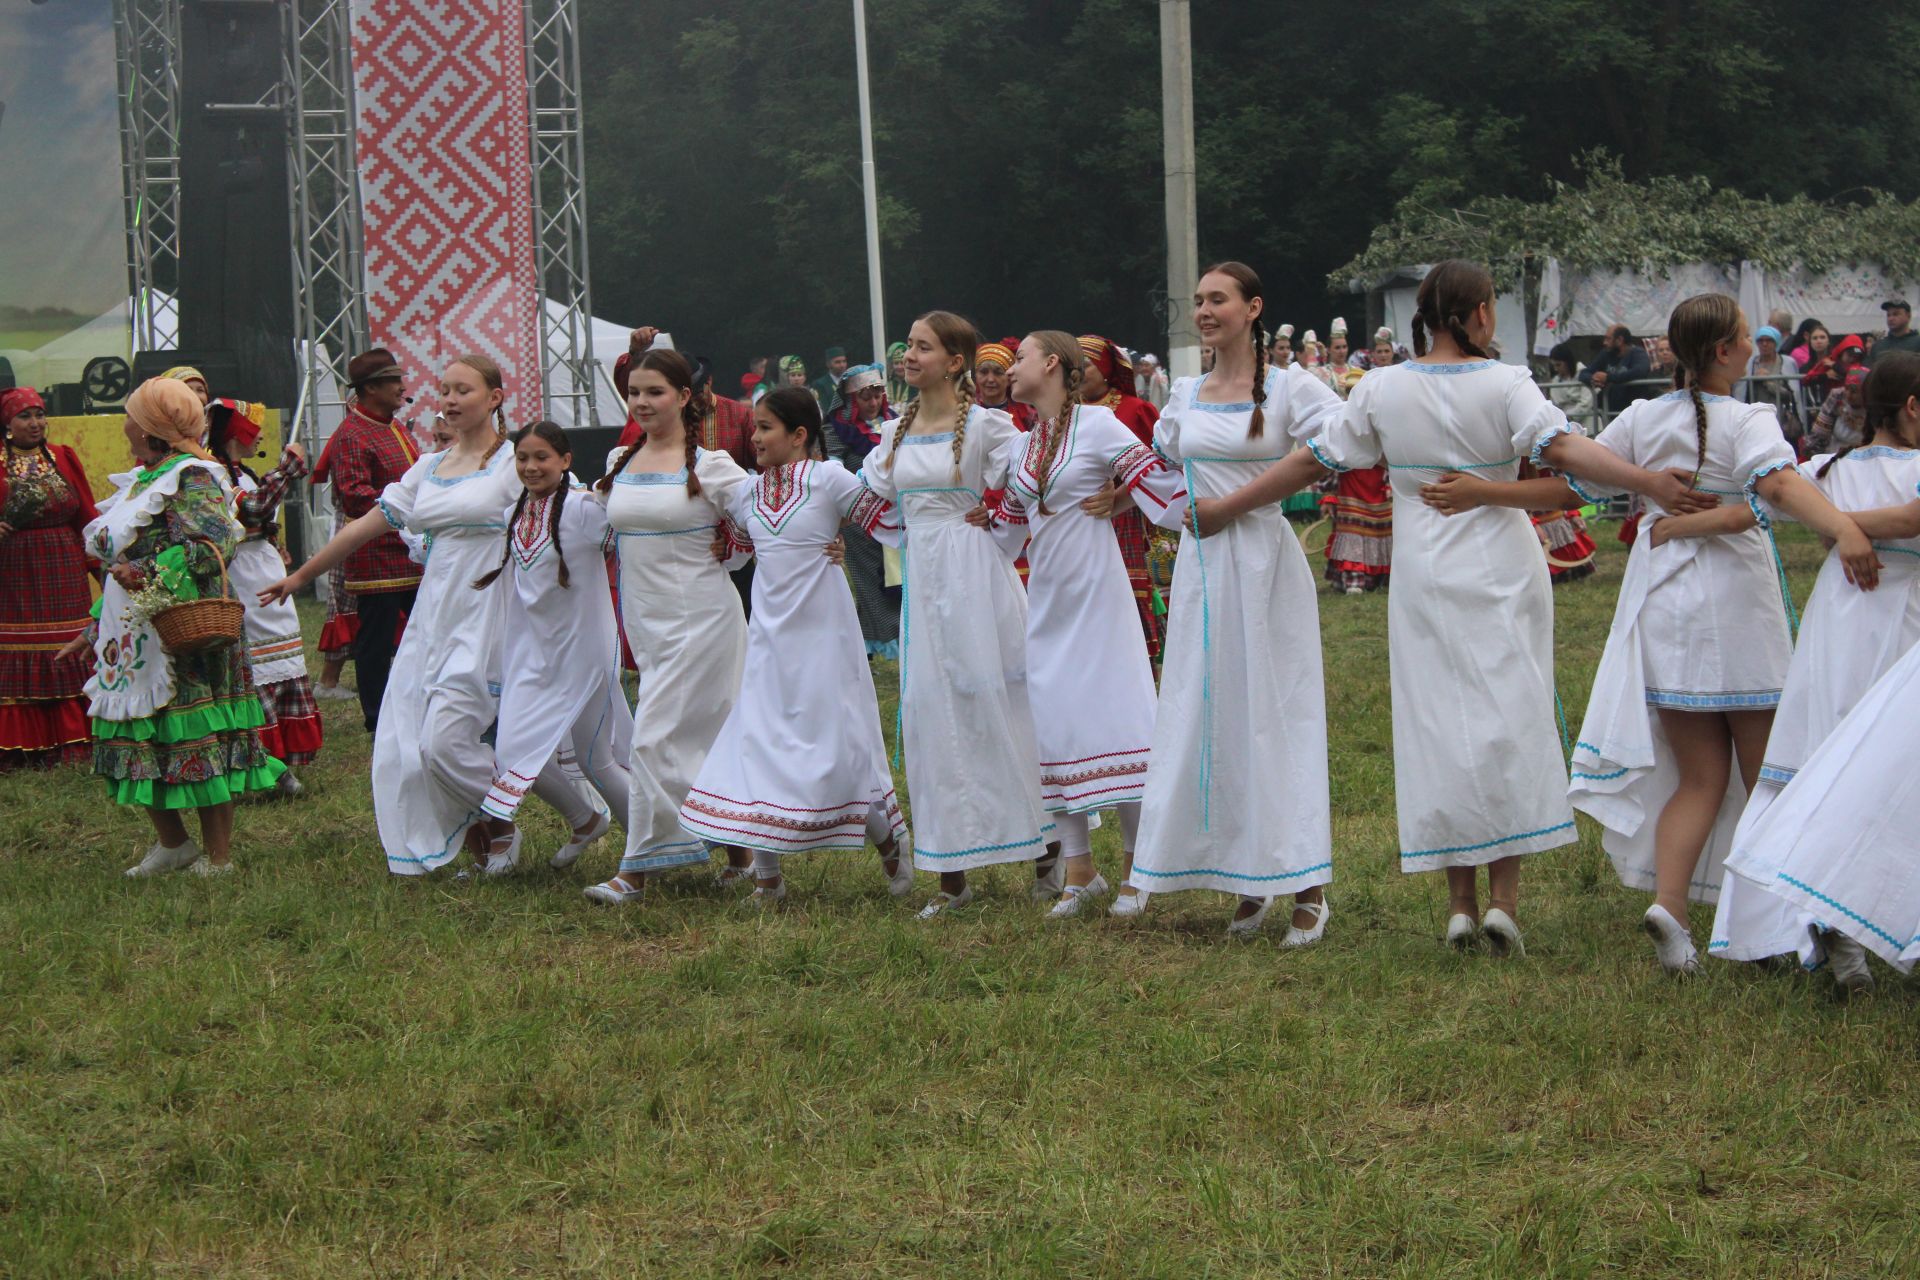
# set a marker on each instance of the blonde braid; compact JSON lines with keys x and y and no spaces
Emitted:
{"x":962,"y":409}
{"x":1052,"y":441}
{"x":907,"y":416}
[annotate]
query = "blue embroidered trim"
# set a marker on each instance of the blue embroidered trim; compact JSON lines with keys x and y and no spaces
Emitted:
{"x":387,"y":511}
{"x":1205,"y":772}
{"x":1708,"y":396}
{"x":1547,"y":437}
{"x":1319,"y":456}
{"x":1487,"y":844}
{"x":1757,"y":698}
{"x":1278,"y":457}
{"x":1580,"y":491}
{"x":943,"y":437}
{"x":1233,"y":875}
{"x":1235,"y":406}
{"x":1751,"y":486}
{"x":1774,"y":773}
{"x":1600,"y":777}
{"x":1467,"y":367}
{"x":1886,"y":549}
{"x":434,"y":477}
{"x":661,"y":533}
{"x":678,"y":853}
{"x":1847,"y":912}
{"x":494,"y":526}
{"x":948,"y":489}
{"x":1883,"y":451}
{"x":985,"y":848}
{"x":652,"y":477}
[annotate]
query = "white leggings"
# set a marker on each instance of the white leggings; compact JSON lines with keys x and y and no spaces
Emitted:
{"x":766,"y":862}
{"x":1076,"y":833}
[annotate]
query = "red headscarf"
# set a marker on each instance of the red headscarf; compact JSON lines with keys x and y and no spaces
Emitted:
{"x":1115,"y":369}
{"x":15,"y":401}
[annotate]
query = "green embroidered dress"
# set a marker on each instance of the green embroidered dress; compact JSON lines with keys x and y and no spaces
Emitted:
{"x":203,"y":746}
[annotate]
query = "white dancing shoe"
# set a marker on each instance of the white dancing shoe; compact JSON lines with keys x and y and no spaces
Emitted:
{"x":1671,"y":941}
{"x":615,"y":892}
{"x":943,"y":902}
{"x":1050,"y":875}
{"x":160,"y":859}
{"x":333,"y":693}
{"x":202,"y":867}
{"x":1298,"y":937}
{"x":1502,"y":934}
{"x":1849,"y":961}
{"x":502,"y":862}
{"x":1074,"y":897}
{"x":764,"y":899}
{"x":900,"y":883}
{"x":570,"y":851}
{"x":1129,"y":905}
{"x":1247,"y":926}
{"x":1461,"y":931}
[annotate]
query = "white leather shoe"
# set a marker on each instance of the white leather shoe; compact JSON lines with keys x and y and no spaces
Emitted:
{"x":570,"y":851}
{"x":1671,"y":941}
{"x":615,"y":892}
{"x":1129,"y":905}
{"x":1461,"y":931}
{"x":160,"y":859}
{"x":943,"y":902}
{"x":202,"y":867}
{"x":1502,"y":934}
{"x":502,"y":862}
{"x":1247,"y":926}
{"x":1050,"y":876}
{"x":1298,"y":937}
{"x":900,"y":883}
{"x":1849,"y":961}
{"x":761,"y":899}
{"x":1074,"y":897}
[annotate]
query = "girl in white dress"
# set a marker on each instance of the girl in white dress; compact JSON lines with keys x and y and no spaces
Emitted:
{"x":973,"y":768}
{"x":665,"y":497}
{"x":431,"y":766}
{"x":1848,"y":640}
{"x":1700,"y":631}
{"x":800,"y":765}
{"x":1089,"y":676}
{"x":1478,"y":774}
{"x":1237,"y":793}
{"x":560,"y":690}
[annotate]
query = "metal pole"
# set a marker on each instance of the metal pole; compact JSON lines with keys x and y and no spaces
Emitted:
{"x":875,"y":302}
{"x":1183,"y":251}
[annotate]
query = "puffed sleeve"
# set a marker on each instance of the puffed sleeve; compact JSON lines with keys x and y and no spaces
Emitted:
{"x":720,"y":476}
{"x":1759,"y":450}
{"x":1310,"y":405}
{"x":876,"y":469}
{"x":1166,"y":432}
{"x":396,"y":502}
{"x":1532,"y":419}
{"x":1158,"y":489}
{"x":1351,"y":438}
{"x":1010,"y":527}
{"x":995,"y":430}
{"x":587,"y":517}
{"x":860,"y":506}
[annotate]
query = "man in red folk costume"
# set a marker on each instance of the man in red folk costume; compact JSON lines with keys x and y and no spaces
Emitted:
{"x":1108,"y":381}
{"x":367,"y":452}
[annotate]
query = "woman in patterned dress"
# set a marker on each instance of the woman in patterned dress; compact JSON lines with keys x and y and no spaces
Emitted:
{"x":45,"y":502}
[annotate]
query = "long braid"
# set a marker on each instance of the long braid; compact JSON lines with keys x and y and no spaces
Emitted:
{"x":1053,"y":441}
{"x":690,"y":430}
{"x":486,"y":580}
{"x":907,"y":416}
{"x":499,"y":435}
{"x":1460,"y":338}
{"x":1258,"y":423}
{"x":605,"y":483}
{"x":1699,"y":421}
{"x":553,"y":528}
{"x":962,"y":410}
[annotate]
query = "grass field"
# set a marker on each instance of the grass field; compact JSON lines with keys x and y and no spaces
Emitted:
{"x":310,"y":1069}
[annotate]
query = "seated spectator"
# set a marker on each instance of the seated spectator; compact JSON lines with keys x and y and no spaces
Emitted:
{"x":1620,"y":364}
{"x":1768,"y":362}
{"x":1842,"y":420}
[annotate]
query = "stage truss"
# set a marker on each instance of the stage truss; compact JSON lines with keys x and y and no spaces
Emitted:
{"x":567,"y":366}
{"x":146,"y":39}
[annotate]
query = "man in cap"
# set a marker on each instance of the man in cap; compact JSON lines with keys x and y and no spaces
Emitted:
{"x":368,"y":451}
{"x":1900,"y":332}
{"x":826,"y":387}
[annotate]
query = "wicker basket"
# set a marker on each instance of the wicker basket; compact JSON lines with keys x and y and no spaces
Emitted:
{"x":193,"y":626}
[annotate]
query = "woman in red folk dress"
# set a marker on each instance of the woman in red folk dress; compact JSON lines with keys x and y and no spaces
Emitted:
{"x":45,"y":501}
{"x":1108,"y":381}
{"x":1360,"y":552}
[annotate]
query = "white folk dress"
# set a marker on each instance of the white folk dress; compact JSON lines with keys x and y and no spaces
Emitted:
{"x":973,"y":766}
{"x":1700,"y":626}
{"x":1849,"y":639}
{"x":1477,"y":764}
{"x":275,"y":648}
{"x":560,"y":658}
{"x":431,"y":768}
{"x":689,"y":638}
{"x":1842,"y":838}
{"x":1088,"y":674}
{"x":1236,"y":796}
{"x":800,"y":766}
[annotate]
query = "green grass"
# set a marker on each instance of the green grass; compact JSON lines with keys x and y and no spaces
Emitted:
{"x":314,"y":1070}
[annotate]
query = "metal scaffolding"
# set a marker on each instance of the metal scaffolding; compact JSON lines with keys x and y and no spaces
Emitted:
{"x":567,"y":366}
{"x":146,"y":38}
{"x":323,"y":192}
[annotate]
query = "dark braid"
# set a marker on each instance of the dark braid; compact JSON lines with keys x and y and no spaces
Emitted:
{"x":605,"y":483}
{"x":690,"y":428}
{"x":486,"y":580}
{"x":1451,"y":291}
{"x":1258,"y":423}
{"x":553,"y":528}
{"x":1696,"y":331}
{"x":1699,"y":424}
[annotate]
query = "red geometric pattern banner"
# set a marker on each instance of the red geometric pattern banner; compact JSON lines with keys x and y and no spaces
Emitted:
{"x":446,"y":184}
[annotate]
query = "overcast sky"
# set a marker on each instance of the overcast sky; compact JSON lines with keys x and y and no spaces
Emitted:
{"x":61,"y":242}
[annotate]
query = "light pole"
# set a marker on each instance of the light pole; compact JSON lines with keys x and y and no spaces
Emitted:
{"x":1183,"y":251}
{"x":867,"y":181}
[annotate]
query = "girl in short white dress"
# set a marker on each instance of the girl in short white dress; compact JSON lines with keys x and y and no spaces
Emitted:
{"x":973,"y":767}
{"x":431,"y":765}
{"x":800,"y":765}
{"x":665,"y":498}
{"x":1237,"y":793}
{"x":1088,"y":673}
{"x":560,"y":690}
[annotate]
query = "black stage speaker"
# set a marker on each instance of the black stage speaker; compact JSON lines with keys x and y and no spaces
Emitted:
{"x":236,"y":235}
{"x":221,"y":367}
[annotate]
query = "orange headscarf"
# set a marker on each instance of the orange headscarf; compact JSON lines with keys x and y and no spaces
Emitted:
{"x":169,"y":410}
